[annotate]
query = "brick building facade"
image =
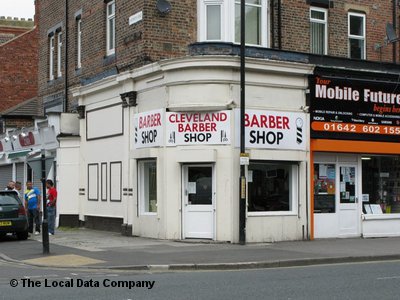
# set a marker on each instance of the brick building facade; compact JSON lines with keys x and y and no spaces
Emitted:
{"x":13,"y":27}
{"x":157,"y":37}
{"x":119,"y":62}
{"x":18,"y":72}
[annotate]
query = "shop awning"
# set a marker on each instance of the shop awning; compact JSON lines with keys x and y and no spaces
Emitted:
{"x":17,"y":154}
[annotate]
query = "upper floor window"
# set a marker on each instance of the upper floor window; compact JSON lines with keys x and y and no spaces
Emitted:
{"x":51,"y":58}
{"x":356,"y":27}
{"x":220,"y":21}
{"x":110,"y":27}
{"x":78,"y":43}
{"x":318,"y":30}
{"x":59,"y":52}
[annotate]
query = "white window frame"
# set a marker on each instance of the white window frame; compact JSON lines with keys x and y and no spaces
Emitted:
{"x":228,"y":20}
{"x":59,"y":54}
{"x":141,"y":189}
{"x":357,"y":37}
{"x":79,"y":43}
{"x":202,"y":8}
{"x":294,"y":197}
{"x":325,"y":22}
{"x":110,"y":50}
{"x":51,"y":58}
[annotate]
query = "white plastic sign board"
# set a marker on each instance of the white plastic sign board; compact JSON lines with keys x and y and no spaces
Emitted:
{"x":148,"y":129}
{"x":273,"y":129}
{"x":198,"y":128}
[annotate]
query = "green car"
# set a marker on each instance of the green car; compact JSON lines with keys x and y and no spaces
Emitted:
{"x":13,"y":218}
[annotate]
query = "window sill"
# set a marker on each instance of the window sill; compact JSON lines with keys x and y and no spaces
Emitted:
{"x":109,"y":59}
{"x":272,"y":213}
{"x":367,"y":217}
{"x":148,"y":214}
{"x":55,"y":81}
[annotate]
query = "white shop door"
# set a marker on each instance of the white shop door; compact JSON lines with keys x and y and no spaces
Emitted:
{"x":198,"y":201}
{"x":349,"y":214}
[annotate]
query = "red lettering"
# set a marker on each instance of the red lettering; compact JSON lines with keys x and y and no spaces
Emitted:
{"x":286,"y":123}
{"x":271,"y":121}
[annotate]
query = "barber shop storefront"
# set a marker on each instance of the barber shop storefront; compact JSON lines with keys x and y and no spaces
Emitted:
{"x":355,"y":154}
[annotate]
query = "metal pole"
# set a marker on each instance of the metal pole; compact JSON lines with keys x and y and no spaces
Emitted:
{"x":45,"y":224}
{"x":242,"y":181}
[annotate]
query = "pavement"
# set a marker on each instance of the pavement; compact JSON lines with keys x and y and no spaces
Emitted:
{"x":92,"y":249}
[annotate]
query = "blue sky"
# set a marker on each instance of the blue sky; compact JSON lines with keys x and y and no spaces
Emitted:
{"x":17,"y":8}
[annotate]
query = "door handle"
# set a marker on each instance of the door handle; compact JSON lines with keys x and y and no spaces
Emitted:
{"x":186,"y":192}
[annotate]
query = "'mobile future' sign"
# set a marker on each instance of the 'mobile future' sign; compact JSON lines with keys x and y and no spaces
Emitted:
{"x":354,"y":109}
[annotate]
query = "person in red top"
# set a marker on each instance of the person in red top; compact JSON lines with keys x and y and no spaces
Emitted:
{"x":51,"y":205}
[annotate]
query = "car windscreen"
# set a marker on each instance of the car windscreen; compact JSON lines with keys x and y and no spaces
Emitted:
{"x":8,"y":200}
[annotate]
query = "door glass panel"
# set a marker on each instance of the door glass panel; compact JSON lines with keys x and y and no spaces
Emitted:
{"x":200,"y":186}
{"x":324,"y":188}
{"x":347,"y":184}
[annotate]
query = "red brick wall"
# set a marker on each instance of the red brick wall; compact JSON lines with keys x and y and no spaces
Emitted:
{"x":296,"y":26}
{"x":162,"y":37}
{"x":18,"y":123}
{"x":18,"y":72}
{"x":159,"y":37}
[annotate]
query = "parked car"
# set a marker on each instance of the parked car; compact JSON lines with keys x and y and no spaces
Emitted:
{"x":13,"y":217}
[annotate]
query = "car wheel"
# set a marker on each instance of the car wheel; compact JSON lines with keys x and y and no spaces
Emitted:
{"x":22,"y":235}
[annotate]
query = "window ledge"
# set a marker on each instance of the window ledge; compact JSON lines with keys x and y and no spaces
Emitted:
{"x":109,"y":59}
{"x":148,"y":214}
{"x":55,"y":81}
{"x":272,"y":214}
{"x":367,"y":217}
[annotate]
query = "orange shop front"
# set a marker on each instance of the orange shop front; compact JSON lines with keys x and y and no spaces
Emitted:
{"x":355,"y":156}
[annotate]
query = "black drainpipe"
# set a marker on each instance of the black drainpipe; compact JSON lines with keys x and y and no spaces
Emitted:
{"x":279,"y":25}
{"x":395,"y":28}
{"x":66,"y":58}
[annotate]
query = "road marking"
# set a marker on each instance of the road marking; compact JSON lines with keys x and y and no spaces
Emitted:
{"x":40,"y":276}
{"x":68,"y":260}
{"x":388,"y":278}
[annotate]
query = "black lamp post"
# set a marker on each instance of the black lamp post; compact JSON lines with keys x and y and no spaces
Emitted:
{"x":242,"y":181}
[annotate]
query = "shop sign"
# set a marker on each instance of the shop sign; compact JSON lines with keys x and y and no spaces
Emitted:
{"x":27,"y":140}
{"x":148,"y":129}
{"x":198,"y":128}
{"x":354,"y":109}
{"x":273,"y":129}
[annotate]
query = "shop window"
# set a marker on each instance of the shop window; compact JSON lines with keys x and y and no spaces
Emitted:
{"x":272,"y":187}
{"x":147,"y":172}
{"x":356,"y":28}
{"x":318,"y":30}
{"x":324,"y":188}
{"x":381,"y":184}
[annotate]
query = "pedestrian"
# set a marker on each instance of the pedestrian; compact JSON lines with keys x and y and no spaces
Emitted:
{"x":18,"y":187}
{"x":10,"y":186}
{"x":51,"y":205}
{"x":32,"y":203}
